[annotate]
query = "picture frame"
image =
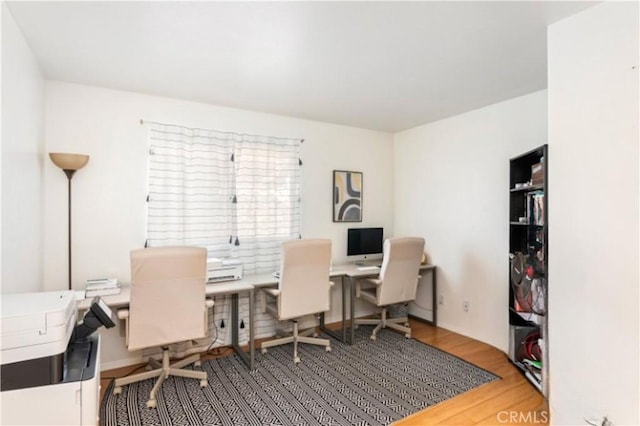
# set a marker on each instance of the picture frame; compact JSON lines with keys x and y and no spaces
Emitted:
{"x":347,"y":196}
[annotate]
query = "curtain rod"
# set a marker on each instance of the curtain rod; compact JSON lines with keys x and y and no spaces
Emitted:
{"x":142,"y":122}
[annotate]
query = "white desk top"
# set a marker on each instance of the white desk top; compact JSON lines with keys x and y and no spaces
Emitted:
{"x":213,"y":289}
{"x":351,"y":270}
{"x":240,"y":286}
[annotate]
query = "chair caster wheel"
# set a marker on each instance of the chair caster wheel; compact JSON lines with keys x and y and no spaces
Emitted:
{"x":151,"y":403}
{"x":204,"y":383}
{"x":197,"y":363}
{"x":117,"y":390}
{"x":406,"y":324}
{"x":264,"y":350}
{"x":328,"y":349}
{"x":373,"y":337}
{"x":408,"y":335}
{"x":315,"y":334}
{"x":296,"y":359}
{"x":356,"y":326}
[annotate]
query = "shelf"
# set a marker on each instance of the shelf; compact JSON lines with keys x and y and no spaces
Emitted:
{"x":535,"y":320}
{"x":525,"y":224}
{"x":528,"y":188}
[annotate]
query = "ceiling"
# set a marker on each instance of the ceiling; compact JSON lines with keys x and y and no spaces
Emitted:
{"x":378,"y":65}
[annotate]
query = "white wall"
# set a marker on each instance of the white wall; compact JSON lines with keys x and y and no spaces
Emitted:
{"x":109,"y":193}
{"x":451,"y":181}
{"x":593,"y":211}
{"x":22,"y":159}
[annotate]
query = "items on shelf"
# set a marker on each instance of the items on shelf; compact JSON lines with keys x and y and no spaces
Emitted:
{"x":533,"y":366}
{"x":102,"y":287}
{"x":535,"y":208}
{"x":537,"y":172}
{"x":522,"y":185}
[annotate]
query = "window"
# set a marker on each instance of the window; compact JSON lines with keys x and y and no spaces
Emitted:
{"x":237,"y":195}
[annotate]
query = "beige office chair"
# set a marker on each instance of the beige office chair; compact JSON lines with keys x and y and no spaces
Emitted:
{"x":303,"y":289}
{"x":397,"y":282}
{"x":167,"y":306}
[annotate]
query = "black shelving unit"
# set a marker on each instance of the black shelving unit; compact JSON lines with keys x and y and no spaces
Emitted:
{"x":528,"y":254}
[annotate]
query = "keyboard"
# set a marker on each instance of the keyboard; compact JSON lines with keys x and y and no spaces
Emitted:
{"x":368,"y":268}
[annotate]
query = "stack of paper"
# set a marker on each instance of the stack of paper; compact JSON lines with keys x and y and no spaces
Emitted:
{"x":102,"y":287}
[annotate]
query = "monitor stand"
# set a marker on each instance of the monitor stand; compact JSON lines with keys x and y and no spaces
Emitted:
{"x":362,"y":262}
{"x":368,"y":262}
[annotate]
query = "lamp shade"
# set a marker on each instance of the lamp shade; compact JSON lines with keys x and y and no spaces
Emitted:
{"x":69,"y":161}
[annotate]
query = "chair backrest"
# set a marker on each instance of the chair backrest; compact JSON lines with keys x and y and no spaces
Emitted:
{"x":400,"y":270}
{"x":168,"y":286}
{"x":304,"y":278}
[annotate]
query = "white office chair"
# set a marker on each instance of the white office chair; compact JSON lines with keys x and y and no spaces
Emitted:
{"x":397,"y":282}
{"x":303,"y":289}
{"x":167,"y":306}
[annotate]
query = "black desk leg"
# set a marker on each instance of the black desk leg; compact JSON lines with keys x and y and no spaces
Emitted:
{"x":248,"y":359}
{"x":344,"y":308}
{"x":434,"y":280}
{"x":352,"y":310}
{"x":251,"y":328}
{"x":343,"y":336}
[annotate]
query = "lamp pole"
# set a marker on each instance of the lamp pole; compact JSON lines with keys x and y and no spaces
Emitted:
{"x":69,"y":174}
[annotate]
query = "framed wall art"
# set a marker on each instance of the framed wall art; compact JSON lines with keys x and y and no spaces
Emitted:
{"x":347,"y":196}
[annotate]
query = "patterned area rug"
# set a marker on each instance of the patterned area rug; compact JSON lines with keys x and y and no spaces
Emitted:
{"x":369,"y":383}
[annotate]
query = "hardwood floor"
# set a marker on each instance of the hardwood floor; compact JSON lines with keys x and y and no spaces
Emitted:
{"x":510,"y":401}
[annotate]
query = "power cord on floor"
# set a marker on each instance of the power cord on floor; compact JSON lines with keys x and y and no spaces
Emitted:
{"x":215,"y":329}
{"x":133,"y":370}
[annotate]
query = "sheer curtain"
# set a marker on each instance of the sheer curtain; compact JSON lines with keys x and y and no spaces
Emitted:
{"x":267,"y":191}
{"x":238,"y":195}
{"x":190,"y":189}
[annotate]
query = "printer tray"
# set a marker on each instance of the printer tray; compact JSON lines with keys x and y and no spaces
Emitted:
{"x":32,"y":372}
{"x":76,"y":364}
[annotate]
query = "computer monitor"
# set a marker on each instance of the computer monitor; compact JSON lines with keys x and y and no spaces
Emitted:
{"x":364,"y":241}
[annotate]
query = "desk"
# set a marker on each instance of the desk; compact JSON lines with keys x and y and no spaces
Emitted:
{"x":347,"y":273}
{"x":234,"y":288}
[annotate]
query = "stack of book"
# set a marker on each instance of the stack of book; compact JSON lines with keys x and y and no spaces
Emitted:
{"x":102,"y":287}
{"x":533,"y":371}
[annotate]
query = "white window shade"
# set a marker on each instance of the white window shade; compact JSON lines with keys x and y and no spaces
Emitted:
{"x":236,"y":194}
{"x":267,"y":189}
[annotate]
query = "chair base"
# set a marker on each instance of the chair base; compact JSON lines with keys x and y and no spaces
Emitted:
{"x":295,"y":338}
{"x":384,"y":322}
{"x":165,"y":370}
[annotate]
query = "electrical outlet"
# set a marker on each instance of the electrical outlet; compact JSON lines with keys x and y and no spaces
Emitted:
{"x":465,"y":306}
{"x":441,"y":300}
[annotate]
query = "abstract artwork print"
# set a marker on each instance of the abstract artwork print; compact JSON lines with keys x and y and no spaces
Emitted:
{"x":347,"y":196}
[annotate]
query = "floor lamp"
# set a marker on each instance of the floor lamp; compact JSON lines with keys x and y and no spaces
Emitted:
{"x":69,"y":163}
